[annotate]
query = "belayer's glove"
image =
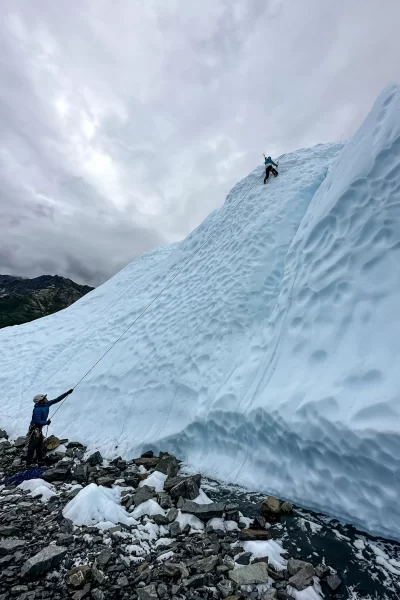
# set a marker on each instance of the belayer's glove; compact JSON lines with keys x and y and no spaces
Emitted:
{"x":70,"y":391}
{"x":49,"y":422}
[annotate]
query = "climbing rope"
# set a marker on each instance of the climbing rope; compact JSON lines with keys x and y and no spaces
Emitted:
{"x":154,"y":300}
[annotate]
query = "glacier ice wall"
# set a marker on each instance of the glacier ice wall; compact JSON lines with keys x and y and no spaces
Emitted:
{"x":272,"y":359}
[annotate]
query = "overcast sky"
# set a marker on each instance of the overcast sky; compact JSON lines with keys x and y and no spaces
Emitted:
{"x":124,"y":123}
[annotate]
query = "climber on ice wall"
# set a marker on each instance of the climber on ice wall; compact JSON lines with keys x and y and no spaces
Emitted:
{"x":269,"y":168}
{"x":40,"y":418}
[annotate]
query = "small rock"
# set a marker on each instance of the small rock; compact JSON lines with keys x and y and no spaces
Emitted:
{"x":243,"y":559}
{"x":168,"y":465}
{"x":171,"y":482}
{"x":160,"y":520}
{"x":104,"y":556}
{"x":205,"y":565}
{"x":251,"y":575}
{"x":271,"y":508}
{"x":122,"y":581}
{"x":44,"y":560}
{"x":205,"y":512}
{"x":174,"y":529}
{"x":148,"y":454}
{"x":260,"y":522}
{"x":196,"y":581}
{"x":187,"y":488}
{"x":147,"y":593}
{"x":95,"y":459}
{"x":226,"y":588}
{"x":66,"y":525}
{"x":303,"y":578}
{"x":72,"y":493}
{"x":97,"y":594}
{"x":20,"y":441}
{"x":164,"y":500}
{"x":254,"y":534}
{"x":287,"y":508}
{"x":172,"y":514}
{"x":10,"y":546}
{"x":322,"y":571}
{"x":65,"y":539}
{"x":78,"y":576}
{"x":143,"y":494}
{"x":7,"y":530}
{"x":270,"y":594}
{"x":294,"y":565}
{"x":98,"y":575}
{"x":106,"y":481}
{"x":334,"y":582}
{"x":74,"y":445}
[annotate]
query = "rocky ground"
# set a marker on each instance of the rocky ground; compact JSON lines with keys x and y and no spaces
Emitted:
{"x":86,"y":527}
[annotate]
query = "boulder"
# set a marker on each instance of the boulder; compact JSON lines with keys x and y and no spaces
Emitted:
{"x":187,"y":488}
{"x":303,"y":578}
{"x":143,"y":494}
{"x":3,"y":434}
{"x":10,"y":546}
{"x":43,"y":561}
{"x":251,"y":575}
{"x":147,"y":593}
{"x":168,"y":465}
{"x":205,"y":512}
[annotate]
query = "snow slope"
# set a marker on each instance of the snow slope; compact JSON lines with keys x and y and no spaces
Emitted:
{"x":273,"y":358}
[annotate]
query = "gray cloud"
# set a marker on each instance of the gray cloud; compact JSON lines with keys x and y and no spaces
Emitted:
{"x":124,"y":124}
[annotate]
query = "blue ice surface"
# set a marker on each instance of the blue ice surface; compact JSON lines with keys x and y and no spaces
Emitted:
{"x":272,"y":359}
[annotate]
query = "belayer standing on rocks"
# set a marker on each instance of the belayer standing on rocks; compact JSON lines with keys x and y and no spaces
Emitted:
{"x":40,"y":418}
{"x":269,"y":168}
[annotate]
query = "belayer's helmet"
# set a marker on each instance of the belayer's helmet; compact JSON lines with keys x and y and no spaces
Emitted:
{"x":38,"y":398}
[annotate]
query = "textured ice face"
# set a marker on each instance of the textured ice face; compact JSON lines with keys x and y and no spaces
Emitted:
{"x":272,"y":359}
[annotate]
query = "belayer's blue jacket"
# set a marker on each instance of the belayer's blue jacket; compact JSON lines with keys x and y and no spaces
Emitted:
{"x":40,"y":413}
{"x":269,"y":161}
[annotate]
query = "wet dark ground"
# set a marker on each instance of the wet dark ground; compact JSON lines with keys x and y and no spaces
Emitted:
{"x":368,"y":566}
